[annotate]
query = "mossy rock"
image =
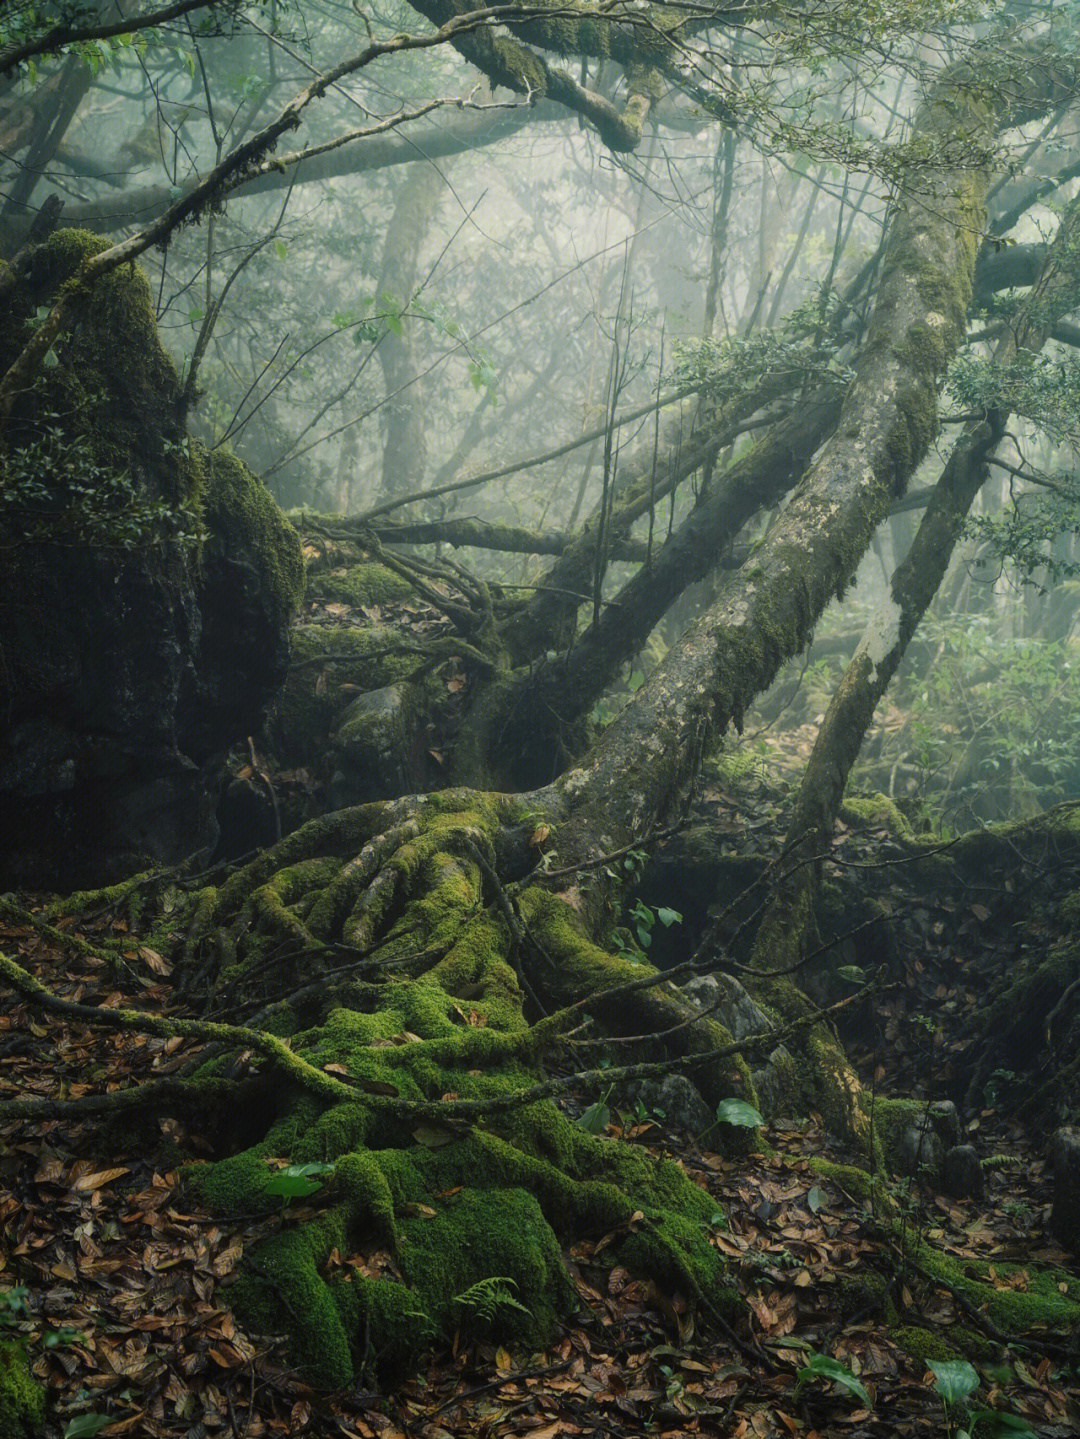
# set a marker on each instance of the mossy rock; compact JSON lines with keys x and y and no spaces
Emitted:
{"x":22,"y":1399}
{"x":113,"y":384}
{"x":137,"y":656}
{"x":877,"y":811}
{"x":315,"y":694}
{"x":244,"y":519}
{"x":363,"y":584}
{"x":923,"y":1345}
{"x":866,"y":1188}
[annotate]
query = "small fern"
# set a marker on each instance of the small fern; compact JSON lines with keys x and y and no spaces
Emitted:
{"x":1000,"y":1161}
{"x":488,"y":1298}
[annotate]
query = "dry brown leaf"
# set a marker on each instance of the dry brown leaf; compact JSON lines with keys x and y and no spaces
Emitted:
{"x":98,"y":1179}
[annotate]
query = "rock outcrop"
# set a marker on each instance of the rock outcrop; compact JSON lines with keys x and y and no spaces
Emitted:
{"x":145,"y":601}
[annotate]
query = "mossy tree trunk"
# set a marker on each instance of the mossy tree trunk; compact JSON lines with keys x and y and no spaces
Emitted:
{"x":405,"y":447}
{"x":787,"y":929}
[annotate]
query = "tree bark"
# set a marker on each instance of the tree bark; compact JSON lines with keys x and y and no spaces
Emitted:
{"x":787,"y":927}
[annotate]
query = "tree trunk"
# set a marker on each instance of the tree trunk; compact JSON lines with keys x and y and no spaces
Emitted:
{"x":787,"y":928}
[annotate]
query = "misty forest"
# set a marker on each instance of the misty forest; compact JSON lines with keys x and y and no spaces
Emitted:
{"x":540,"y":718}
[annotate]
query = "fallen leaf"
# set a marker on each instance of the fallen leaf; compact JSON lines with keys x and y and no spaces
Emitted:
{"x":98,"y":1179}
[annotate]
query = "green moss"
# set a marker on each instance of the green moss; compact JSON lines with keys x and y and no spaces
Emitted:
{"x":242,"y":515}
{"x":862,"y":1186}
{"x":1037,"y":1302}
{"x":582,"y":967}
{"x":877,"y":811}
{"x":498,"y":1202}
{"x":366,"y":584}
{"x":284,"y":1291}
{"x":863,"y":1294}
{"x":315,"y":694}
{"x":487,"y":1205}
{"x":823,"y":1079}
{"x":114,"y":387}
{"x":923,"y":1345}
{"x":22,"y":1399}
{"x":1070,"y":910}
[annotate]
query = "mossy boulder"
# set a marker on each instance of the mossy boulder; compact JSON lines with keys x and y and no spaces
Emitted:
{"x":327,"y":669}
{"x":22,"y":1399}
{"x":923,"y":1345}
{"x":365,"y":584}
{"x":145,"y":627}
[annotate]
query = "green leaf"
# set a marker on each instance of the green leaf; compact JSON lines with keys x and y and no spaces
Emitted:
{"x":815,"y":1200}
{"x":280,"y":249}
{"x":644,"y":937}
{"x":998,"y":1424}
{"x":955,"y":1379}
{"x":297,"y":1181}
{"x":737,"y":1111}
{"x":820,"y":1366}
{"x":596,"y":1118}
{"x":852,"y":973}
{"x":668,"y":917}
{"x":85,"y":1425}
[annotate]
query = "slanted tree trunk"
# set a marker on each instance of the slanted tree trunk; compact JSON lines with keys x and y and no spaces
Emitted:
{"x":787,"y":927}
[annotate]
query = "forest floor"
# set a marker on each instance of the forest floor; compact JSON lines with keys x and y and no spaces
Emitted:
{"x":126,"y":1288}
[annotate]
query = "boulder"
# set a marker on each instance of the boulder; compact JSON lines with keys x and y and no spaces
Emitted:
{"x":145,"y":600}
{"x":374,"y":747}
{"x":728,"y":1003}
{"x":1065,"y":1214}
{"x":682,"y":1105}
{"x":921,"y":1151}
{"x":963,"y":1176}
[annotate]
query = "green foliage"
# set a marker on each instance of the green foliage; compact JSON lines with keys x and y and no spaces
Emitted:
{"x":820,"y":1366}
{"x":997,"y":1424}
{"x":1044,"y":388}
{"x":296,"y":1181}
{"x":487,"y":1299}
{"x":644,"y":919}
{"x":85,"y":1426}
{"x":738,"y":365}
{"x":598,"y":1116}
{"x":739,"y":1113}
{"x":57,"y":491}
{"x":994,"y":726}
{"x":955,"y":1379}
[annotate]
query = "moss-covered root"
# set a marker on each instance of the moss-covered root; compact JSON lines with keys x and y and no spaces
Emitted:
{"x":667,"y":1025}
{"x":447,"y":1236}
{"x":1009,"y":1301}
{"x":821,"y":1076}
{"x":22,"y":1399}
